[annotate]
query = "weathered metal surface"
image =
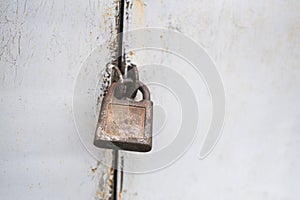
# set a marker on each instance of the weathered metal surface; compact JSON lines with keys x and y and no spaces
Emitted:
{"x":255,"y":45}
{"x":42,"y":46}
{"x":125,"y":123}
{"x":257,"y":156}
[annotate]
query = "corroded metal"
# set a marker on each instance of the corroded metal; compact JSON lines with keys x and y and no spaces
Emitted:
{"x":124,"y":123}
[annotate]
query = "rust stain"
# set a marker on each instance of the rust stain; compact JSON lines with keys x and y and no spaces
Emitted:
{"x":130,"y":57}
{"x":94,"y":169}
{"x":127,"y":117}
{"x":122,"y":178}
{"x":139,"y":13}
{"x":105,"y":184}
{"x":115,"y":114}
{"x":131,"y":53}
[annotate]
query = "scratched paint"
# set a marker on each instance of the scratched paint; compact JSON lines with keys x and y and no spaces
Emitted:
{"x":42,"y":46}
{"x":255,"y":46}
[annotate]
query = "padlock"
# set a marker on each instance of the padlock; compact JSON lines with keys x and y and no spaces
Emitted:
{"x":124,"y":123}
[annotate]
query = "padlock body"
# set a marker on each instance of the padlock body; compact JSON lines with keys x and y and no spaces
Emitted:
{"x":125,"y":124}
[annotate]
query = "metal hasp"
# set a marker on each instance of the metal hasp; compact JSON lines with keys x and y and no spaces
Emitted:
{"x":124,"y":123}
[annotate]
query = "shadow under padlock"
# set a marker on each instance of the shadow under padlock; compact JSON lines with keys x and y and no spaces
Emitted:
{"x":124,"y":123}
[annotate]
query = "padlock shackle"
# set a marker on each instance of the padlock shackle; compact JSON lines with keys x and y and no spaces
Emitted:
{"x":140,"y":86}
{"x":144,"y":90}
{"x":119,"y":73}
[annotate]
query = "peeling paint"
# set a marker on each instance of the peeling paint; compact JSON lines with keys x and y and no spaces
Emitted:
{"x":43,"y":43}
{"x":120,"y":195}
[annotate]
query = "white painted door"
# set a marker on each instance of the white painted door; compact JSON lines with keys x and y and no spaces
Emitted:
{"x":51,"y":57}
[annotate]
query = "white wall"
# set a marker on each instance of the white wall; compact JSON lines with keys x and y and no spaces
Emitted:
{"x":43,"y":44}
{"x":255,"y":45}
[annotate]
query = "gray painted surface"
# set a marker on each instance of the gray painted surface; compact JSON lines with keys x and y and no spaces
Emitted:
{"x":255,"y":46}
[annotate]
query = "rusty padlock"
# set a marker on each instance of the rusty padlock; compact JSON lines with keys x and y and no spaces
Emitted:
{"x":124,"y":123}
